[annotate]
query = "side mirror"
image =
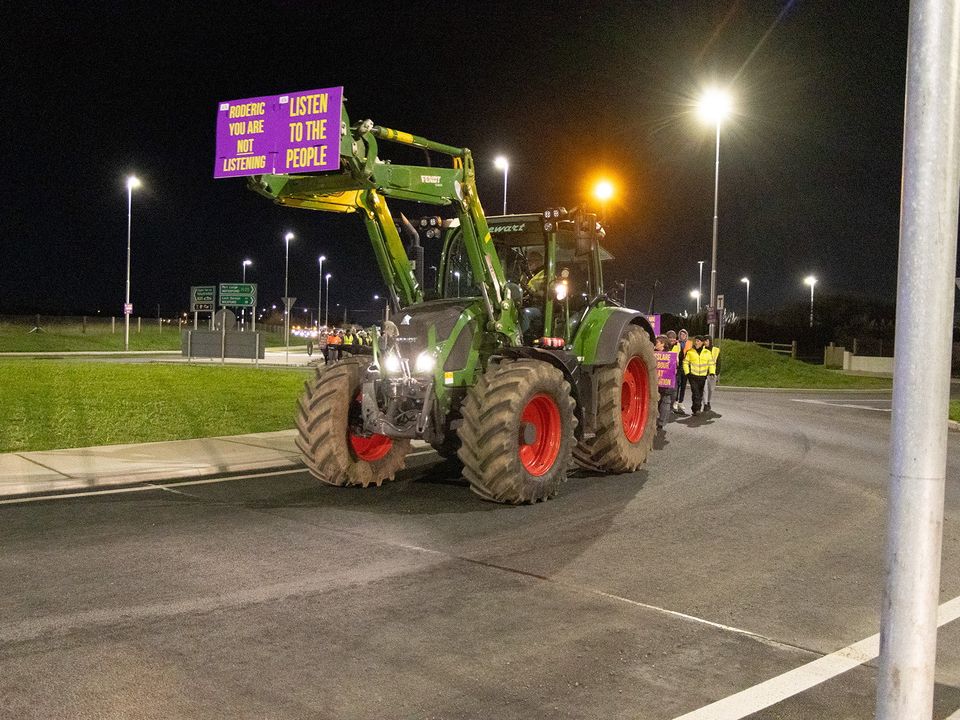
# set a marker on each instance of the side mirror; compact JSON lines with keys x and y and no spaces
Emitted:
{"x":586,"y":233}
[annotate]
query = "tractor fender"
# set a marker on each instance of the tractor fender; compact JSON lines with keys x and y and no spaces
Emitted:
{"x":599,"y":346}
{"x":565,"y":363}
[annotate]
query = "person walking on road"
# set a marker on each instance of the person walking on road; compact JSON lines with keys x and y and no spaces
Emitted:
{"x":684,"y":344}
{"x":711,"y":387}
{"x":667,"y":394}
{"x":696,"y":366}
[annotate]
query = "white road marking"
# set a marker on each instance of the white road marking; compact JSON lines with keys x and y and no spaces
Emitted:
{"x":834,"y":403}
{"x":754,"y":699}
{"x":955,"y":716}
{"x":172,"y":486}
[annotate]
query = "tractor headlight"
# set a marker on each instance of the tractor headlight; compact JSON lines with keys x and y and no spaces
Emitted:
{"x":391,"y":363}
{"x":561,"y":290}
{"x":426,"y":362}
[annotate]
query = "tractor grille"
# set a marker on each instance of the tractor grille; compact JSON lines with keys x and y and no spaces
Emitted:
{"x":414,"y":323}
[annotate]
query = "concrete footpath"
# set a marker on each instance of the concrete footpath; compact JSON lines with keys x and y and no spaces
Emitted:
{"x":86,"y":468}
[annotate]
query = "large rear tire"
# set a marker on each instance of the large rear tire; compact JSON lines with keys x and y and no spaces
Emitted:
{"x":518,"y":432}
{"x":333,"y":449}
{"x":626,"y":408}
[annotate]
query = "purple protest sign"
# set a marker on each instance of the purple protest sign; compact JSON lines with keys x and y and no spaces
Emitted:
{"x":654,"y":321}
{"x":245,"y":141}
{"x":309,"y":131}
{"x":282,"y":134}
{"x":666,"y":368}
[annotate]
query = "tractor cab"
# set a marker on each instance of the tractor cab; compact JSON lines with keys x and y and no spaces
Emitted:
{"x":532,"y":248}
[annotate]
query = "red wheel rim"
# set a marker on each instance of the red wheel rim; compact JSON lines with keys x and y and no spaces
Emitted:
{"x":543,"y":415}
{"x":369,"y":448}
{"x":634,"y":399}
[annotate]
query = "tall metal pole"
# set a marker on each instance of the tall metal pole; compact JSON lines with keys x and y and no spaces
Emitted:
{"x":700,"y":284}
{"x":811,"y":303}
{"x":320,"y":295}
{"x":286,"y":301}
{"x":713,"y":256}
{"x":326,"y":308}
{"x":921,"y":385}
{"x":126,"y":302}
{"x":746,"y":329}
{"x":506,"y":169}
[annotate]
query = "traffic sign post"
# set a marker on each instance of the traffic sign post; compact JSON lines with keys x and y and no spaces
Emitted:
{"x":203,"y":298}
{"x":241,"y":295}
{"x":287,"y":305}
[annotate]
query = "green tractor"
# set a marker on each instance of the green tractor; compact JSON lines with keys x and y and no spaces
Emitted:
{"x":516,"y":361}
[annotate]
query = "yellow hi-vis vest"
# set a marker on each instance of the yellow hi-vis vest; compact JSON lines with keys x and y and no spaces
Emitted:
{"x":716,"y":365}
{"x":698,"y":362}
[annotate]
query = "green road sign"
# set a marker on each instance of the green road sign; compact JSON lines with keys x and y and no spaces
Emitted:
{"x":203,"y":298}
{"x":238,"y":294}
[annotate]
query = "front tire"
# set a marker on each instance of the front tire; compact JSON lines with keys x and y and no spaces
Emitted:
{"x":517,"y":434}
{"x":333,"y":449}
{"x":626,"y":408}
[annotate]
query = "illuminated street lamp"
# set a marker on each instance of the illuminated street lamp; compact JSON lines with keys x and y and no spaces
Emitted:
{"x":603,"y":191}
{"x":715,"y":107}
{"x":811,"y":281}
{"x":320,"y":293}
{"x":326,"y":308}
{"x":243,"y":312}
{"x":501,"y":163}
{"x":456,"y":274}
{"x":286,"y":294}
{"x":746,"y":328}
{"x":132,"y":184}
{"x":700,"y":285}
{"x":695,"y":294}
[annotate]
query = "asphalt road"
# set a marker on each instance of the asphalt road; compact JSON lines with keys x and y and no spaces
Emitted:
{"x":750,"y":546}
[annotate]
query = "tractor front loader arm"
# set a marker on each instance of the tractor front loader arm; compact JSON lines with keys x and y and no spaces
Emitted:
{"x":364,"y":183}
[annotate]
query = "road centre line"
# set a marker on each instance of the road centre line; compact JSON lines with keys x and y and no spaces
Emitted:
{"x":166,"y":486}
{"x":770,"y":692}
{"x":830,"y":403}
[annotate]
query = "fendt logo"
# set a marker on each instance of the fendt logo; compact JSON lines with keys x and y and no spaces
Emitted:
{"x":430,"y":180}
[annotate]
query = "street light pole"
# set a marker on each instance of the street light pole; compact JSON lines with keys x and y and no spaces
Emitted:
{"x":746,"y":329}
{"x":501,"y":163}
{"x":811,"y":281}
{"x":713,"y":252}
{"x":700,"y":284}
{"x":715,"y":106}
{"x":456,"y":274}
{"x":132,"y":182}
{"x":243,"y":312}
{"x":326,"y":308}
{"x":695,"y":294}
{"x":286,"y":295}
{"x":320,"y":294}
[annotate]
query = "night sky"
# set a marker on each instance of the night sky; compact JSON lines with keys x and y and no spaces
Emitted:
{"x":809,"y":174}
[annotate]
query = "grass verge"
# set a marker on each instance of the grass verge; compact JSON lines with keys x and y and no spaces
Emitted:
{"x":747,"y":365}
{"x":955,"y":410}
{"x":99,"y":338}
{"x":60,"y":404}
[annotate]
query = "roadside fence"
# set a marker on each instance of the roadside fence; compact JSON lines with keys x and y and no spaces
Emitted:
{"x":789,"y":348}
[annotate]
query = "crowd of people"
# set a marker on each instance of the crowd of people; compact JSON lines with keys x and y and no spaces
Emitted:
{"x":334,"y":342}
{"x":698,"y":365}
